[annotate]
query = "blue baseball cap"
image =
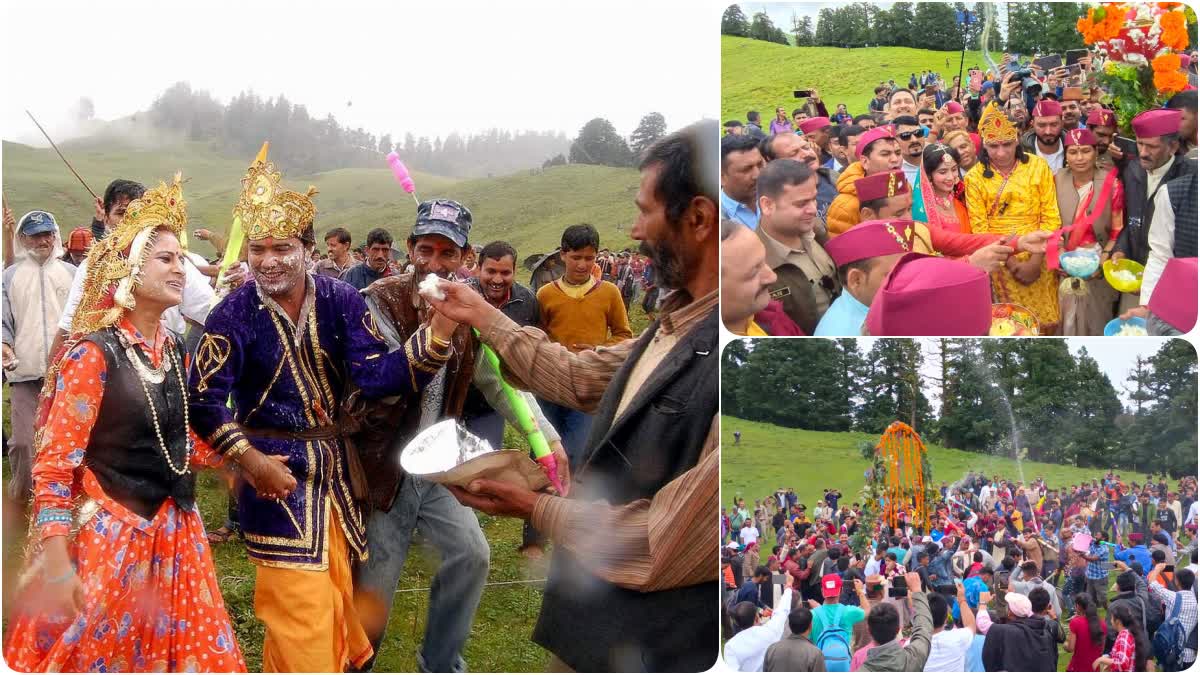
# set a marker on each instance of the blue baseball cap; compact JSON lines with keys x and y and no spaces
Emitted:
{"x":987,"y":86}
{"x":37,"y":222}
{"x":445,"y":217}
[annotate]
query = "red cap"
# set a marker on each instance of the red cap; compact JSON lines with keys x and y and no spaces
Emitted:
{"x":953,"y":108}
{"x":1177,"y":304}
{"x":871,"y":239}
{"x":1102,"y":117}
{"x":80,"y":239}
{"x":870,"y":136}
{"x":931,"y":296}
{"x":1079,"y":137}
{"x":1047,"y":108}
{"x":881,"y":185}
{"x":831,"y":586}
{"x":813,"y":124}
{"x":1158,"y":122}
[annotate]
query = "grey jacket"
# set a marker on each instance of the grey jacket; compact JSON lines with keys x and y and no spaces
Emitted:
{"x":795,"y":654}
{"x":892,"y":658}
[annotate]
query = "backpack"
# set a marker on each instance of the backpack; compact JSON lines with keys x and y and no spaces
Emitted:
{"x":1170,"y":639}
{"x":834,"y":644}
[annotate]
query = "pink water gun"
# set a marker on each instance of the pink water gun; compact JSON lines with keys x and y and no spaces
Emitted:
{"x":402,"y":176}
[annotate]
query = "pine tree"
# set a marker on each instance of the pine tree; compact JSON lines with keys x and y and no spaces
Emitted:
{"x":651,"y":128}
{"x":599,"y":143}
{"x":802,"y":31}
{"x":823,"y":37}
{"x":733,"y":22}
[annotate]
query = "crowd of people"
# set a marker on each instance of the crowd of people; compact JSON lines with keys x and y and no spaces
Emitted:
{"x":1006,"y":576}
{"x":301,"y":376}
{"x":858,"y":223}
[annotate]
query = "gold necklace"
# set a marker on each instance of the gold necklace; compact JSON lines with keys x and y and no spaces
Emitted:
{"x":147,"y":374}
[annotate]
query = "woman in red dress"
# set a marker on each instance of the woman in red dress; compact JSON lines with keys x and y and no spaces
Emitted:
{"x":118,"y":575}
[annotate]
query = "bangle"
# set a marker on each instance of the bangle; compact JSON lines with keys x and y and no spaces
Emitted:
{"x":437,"y":341}
{"x":65,"y":576}
{"x":239,"y":448}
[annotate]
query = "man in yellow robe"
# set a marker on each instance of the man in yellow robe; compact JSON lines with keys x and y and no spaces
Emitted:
{"x":1010,"y":192}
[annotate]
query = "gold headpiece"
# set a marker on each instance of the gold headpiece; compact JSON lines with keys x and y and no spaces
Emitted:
{"x":118,"y":258}
{"x":994,"y":125}
{"x":268,"y":210}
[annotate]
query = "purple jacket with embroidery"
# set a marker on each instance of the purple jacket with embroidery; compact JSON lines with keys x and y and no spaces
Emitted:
{"x":255,"y":370}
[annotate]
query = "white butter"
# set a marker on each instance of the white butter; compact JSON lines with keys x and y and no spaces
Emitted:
{"x":428,"y":288}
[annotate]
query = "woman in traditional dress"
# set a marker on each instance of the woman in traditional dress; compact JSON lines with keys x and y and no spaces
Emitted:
{"x":1012,"y":192}
{"x":119,"y":576}
{"x":1091,"y":202}
{"x":938,"y":201}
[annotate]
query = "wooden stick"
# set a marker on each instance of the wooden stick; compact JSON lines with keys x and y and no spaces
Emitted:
{"x":60,"y":155}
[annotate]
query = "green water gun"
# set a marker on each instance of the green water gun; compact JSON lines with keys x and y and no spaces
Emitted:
{"x":525,"y":421}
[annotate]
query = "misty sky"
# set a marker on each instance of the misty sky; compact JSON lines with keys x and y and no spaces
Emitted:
{"x":425,"y":67}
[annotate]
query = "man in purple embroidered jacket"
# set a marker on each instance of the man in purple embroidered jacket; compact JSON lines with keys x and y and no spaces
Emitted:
{"x":283,"y":350}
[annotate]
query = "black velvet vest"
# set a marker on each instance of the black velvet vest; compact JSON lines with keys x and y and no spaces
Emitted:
{"x":123,"y":451}
{"x":593,"y":625}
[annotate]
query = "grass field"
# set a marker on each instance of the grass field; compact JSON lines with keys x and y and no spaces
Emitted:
{"x":770,"y":457}
{"x":528,"y":209}
{"x":499,"y":640}
{"x":757,"y":75}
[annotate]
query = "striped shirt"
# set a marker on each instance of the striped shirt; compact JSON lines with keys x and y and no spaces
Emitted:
{"x":1098,"y":569}
{"x":649,"y":544}
{"x":1187,"y":611}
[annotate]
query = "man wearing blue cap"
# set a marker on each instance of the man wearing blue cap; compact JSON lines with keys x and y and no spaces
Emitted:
{"x":35,"y":290}
{"x":403,"y":503}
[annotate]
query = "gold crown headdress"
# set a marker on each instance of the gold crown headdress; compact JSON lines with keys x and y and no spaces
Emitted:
{"x":118,"y":258}
{"x":266,"y":209}
{"x":994,"y":125}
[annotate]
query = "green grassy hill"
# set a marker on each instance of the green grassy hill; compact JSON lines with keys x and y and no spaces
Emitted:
{"x":757,"y":75}
{"x":528,"y":209}
{"x":770,"y":457}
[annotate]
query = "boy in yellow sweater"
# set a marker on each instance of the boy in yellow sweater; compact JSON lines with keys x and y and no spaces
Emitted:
{"x":581,"y":313}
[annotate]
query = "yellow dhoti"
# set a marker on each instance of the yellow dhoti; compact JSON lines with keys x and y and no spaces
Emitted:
{"x":311,"y":623}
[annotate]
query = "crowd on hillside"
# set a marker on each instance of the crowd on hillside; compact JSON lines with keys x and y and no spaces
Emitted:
{"x":1007,"y":576}
{"x":859,"y":222}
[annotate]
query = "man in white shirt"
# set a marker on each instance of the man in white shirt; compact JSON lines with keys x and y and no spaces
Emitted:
{"x":1047,"y":133}
{"x":948,"y":648}
{"x":876,"y":562}
{"x":1163,"y":225}
{"x":746,"y":650}
{"x":749,"y":533}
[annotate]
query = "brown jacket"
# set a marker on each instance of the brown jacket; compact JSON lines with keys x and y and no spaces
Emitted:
{"x":794,"y":289}
{"x":382,"y":421}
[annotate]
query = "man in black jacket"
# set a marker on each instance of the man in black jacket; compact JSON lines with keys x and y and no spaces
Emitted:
{"x":631,"y":585}
{"x":1158,"y":163}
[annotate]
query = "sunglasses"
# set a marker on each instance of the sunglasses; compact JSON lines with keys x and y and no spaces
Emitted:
{"x":909,"y":135}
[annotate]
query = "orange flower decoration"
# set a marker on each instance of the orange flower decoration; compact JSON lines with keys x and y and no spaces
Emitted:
{"x":1174,"y":30}
{"x":1167,"y":78}
{"x":1103,"y":29}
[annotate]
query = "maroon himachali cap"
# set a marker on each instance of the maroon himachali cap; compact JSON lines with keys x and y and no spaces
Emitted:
{"x":932,"y":296}
{"x":1156,"y":123}
{"x":953,"y":108}
{"x":1178,"y":307}
{"x":871,"y":239}
{"x":881,"y":186}
{"x":1047,"y":108}
{"x":814,"y":124}
{"x":870,"y":136}
{"x":1079,"y":137}
{"x":1101,"y":117}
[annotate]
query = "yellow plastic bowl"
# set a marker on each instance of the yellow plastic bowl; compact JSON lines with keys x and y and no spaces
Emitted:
{"x":1124,"y":264}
